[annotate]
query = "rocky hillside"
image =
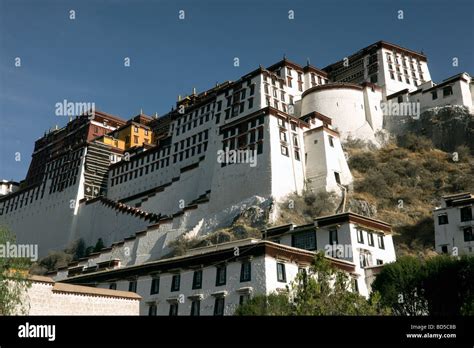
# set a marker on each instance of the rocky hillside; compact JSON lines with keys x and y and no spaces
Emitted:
{"x":448,"y":127}
{"x":403,"y":181}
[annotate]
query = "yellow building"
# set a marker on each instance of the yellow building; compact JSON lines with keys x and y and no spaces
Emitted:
{"x":133,"y":134}
{"x":111,"y":141}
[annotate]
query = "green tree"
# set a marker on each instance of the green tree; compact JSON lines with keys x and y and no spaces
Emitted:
{"x":80,"y":249}
{"x":448,"y":285}
{"x":13,"y":278}
{"x":99,"y":245}
{"x":400,"y":287}
{"x":273,"y":304}
{"x":322,"y":290}
{"x":325,"y":290}
{"x":55,"y":260}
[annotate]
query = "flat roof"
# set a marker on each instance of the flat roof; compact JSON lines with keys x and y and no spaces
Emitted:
{"x":208,"y":256}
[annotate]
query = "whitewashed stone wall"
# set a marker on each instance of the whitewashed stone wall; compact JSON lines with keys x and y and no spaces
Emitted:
{"x":43,"y":300}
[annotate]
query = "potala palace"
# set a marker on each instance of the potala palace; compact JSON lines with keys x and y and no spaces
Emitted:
{"x":142,"y":183}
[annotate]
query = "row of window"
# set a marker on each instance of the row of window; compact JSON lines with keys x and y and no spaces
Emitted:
{"x":289,"y":109}
{"x":404,"y":59}
{"x":219,"y":306}
{"x":192,"y":140}
{"x":20,"y":200}
{"x":407,"y":79}
{"x":195,"y":150}
{"x":136,"y":139}
{"x":165,"y":162}
{"x":134,"y":163}
{"x":221,"y":279}
{"x":64,"y":180}
{"x":307,"y":240}
{"x":466,"y":215}
{"x":447,"y":91}
{"x":370,"y":239}
{"x":192,"y":124}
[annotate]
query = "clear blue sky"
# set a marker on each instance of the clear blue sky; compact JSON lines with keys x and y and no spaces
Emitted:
{"x":82,"y":59}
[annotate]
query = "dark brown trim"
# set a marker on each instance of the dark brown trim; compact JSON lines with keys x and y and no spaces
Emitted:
{"x":354,"y":218}
{"x":374,"y":47}
{"x":318,"y":115}
{"x":323,"y":128}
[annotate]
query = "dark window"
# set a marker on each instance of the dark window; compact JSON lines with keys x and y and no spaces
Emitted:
{"x":196,"y":308}
{"x":281,"y":273}
{"x":381,"y":241}
{"x":447,"y":91}
{"x":444,"y":249}
{"x":331,"y":141}
{"x":297,"y":155}
{"x":243,"y":299}
{"x":252,"y":89}
{"x":337,"y":177}
{"x":113,"y":286}
{"x":155,"y":286}
{"x":197,"y":279}
{"x":466,"y":214}
{"x":173,"y":309}
{"x":219,"y":306}
{"x":370,"y":237}
{"x":132,"y":286}
{"x":284,"y":151}
{"x":379,"y":262}
{"x":304,"y":240}
{"x":250,"y":103}
{"x":355,"y":285}
{"x":333,"y":237}
{"x":443,"y":219}
{"x":468,"y":235}
{"x":175,"y":282}
{"x":252,"y":136}
{"x":245,"y":271}
{"x":220,"y":275}
{"x":434,"y":95}
{"x":152,"y":309}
